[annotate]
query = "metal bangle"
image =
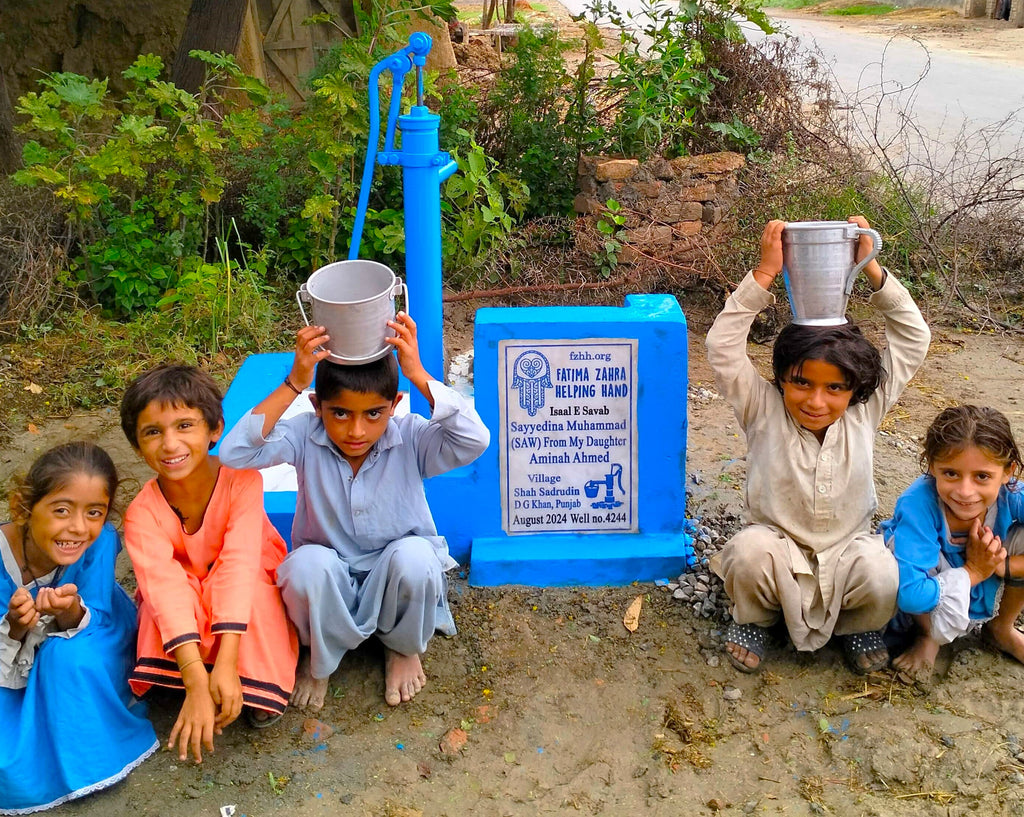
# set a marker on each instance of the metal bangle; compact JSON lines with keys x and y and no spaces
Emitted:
{"x":188,"y":664}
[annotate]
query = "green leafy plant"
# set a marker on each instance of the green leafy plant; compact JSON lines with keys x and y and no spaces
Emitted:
{"x":662,"y":81}
{"x":610,"y":224}
{"x":223,"y":303}
{"x":480,"y":207}
{"x":527,"y":126}
{"x":138,"y":175}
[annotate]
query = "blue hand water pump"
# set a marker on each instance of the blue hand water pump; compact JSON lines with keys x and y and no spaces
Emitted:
{"x":424,"y":168}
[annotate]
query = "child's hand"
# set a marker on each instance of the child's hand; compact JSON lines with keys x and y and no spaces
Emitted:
{"x":307,"y":339}
{"x":409,"y":353}
{"x":196,"y":721}
{"x":864,"y":247}
{"x":63,"y":603}
{"x":771,"y":253}
{"x":985,"y":552}
{"x":226,"y":691}
{"x":22,"y":614}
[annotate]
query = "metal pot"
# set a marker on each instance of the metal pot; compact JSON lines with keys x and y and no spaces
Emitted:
{"x":819,"y":267}
{"x":353,"y":300}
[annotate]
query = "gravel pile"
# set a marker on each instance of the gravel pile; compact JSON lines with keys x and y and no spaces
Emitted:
{"x":699,"y":588}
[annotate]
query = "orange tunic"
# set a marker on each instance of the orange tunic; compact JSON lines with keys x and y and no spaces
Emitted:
{"x":220,"y":579}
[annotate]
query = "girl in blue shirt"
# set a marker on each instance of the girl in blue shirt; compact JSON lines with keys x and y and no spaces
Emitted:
{"x":957,"y":538}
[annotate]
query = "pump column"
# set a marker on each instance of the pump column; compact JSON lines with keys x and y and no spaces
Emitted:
{"x":424,"y":168}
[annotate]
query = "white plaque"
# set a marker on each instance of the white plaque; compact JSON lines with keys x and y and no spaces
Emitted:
{"x":568,"y":435}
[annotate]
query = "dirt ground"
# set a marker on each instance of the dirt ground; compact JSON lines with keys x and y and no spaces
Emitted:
{"x":562,"y":710}
{"x":558,"y":709}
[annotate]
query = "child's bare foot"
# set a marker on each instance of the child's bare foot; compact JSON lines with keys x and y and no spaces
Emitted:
{"x":1006,"y":637}
{"x":309,"y":691}
{"x":403,"y":677}
{"x":747,"y":658}
{"x":918,"y":662}
{"x":745,"y":646}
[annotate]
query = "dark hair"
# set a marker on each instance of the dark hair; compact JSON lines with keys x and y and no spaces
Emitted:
{"x":844,"y":346}
{"x":170,"y":384}
{"x":960,"y":427}
{"x":57,"y":467}
{"x":379,"y":377}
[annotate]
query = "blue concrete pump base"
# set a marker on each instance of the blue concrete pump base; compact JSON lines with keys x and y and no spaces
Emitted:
{"x":561,"y":560}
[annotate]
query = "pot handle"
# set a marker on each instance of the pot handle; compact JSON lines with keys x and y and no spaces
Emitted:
{"x":401,"y":288}
{"x":300,"y":295}
{"x":876,"y":239}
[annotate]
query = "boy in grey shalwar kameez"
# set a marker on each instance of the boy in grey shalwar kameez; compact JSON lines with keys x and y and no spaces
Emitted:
{"x":366,"y":558}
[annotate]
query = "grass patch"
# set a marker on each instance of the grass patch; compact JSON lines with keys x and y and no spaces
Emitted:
{"x":860,"y":9}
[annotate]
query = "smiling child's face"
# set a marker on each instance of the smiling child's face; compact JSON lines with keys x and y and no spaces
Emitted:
{"x":816,"y":394}
{"x":174,"y":439}
{"x":354,"y":421}
{"x":968,"y":483}
{"x":64,"y":523}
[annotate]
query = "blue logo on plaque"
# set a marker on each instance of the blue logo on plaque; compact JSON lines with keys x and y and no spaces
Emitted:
{"x":593,"y":487}
{"x":531,"y":374}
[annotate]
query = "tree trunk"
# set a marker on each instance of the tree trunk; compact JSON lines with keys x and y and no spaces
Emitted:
{"x":10,"y":148}
{"x":1017,"y":14}
{"x":488,"y":14}
{"x":212,"y":25}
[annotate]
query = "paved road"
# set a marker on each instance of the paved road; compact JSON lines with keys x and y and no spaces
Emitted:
{"x":958,"y":91}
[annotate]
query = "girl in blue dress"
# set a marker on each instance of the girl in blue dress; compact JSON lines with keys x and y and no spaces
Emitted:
{"x":70,"y":726}
{"x":958,"y":539}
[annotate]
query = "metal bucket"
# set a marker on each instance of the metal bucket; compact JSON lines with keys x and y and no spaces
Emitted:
{"x":353,"y":300}
{"x":819,"y":267}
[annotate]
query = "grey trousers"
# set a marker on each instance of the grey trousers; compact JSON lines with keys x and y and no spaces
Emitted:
{"x":402,"y":600}
{"x":757,"y":566}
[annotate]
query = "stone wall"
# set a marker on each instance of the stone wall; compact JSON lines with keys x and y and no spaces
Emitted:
{"x":671,"y":205}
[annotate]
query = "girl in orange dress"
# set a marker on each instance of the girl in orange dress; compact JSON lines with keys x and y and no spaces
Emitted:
{"x":211,"y":619}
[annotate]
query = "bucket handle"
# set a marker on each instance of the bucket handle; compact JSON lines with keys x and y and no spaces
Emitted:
{"x":300,"y":294}
{"x":876,"y":239}
{"x":401,"y":289}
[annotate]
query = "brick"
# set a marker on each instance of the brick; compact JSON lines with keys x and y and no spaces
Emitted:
{"x":649,"y":234}
{"x":712,"y":213}
{"x":615,"y":169}
{"x":699,"y":192}
{"x":587,"y":165}
{"x":686,"y":228}
{"x":668,"y":211}
{"x":628,"y":255}
{"x":690,"y":211}
{"x":660,"y":168}
{"x":708,"y":164}
{"x":586,"y":205}
{"x":650,"y":190}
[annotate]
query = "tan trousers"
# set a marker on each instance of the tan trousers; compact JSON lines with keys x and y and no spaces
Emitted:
{"x":849,"y":588}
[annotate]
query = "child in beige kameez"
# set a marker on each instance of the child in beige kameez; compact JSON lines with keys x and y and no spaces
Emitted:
{"x":808,"y":554}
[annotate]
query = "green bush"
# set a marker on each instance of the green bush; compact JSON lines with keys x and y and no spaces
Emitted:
{"x":137,"y":176}
{"x":657,"y":96}
{"x":527,"y":127}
